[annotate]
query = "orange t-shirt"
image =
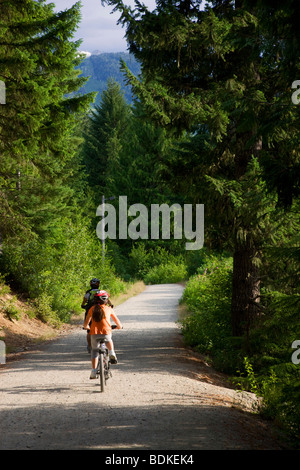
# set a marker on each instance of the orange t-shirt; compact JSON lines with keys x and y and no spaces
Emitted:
{"x":102,"y":327}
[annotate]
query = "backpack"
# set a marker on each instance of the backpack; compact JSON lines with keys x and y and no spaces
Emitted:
{"x":90,"y":302}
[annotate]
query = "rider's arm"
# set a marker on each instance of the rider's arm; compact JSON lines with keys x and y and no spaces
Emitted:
{"x":116,"y":320}
{"x":88,"y":319}
{"x":85,"y":299}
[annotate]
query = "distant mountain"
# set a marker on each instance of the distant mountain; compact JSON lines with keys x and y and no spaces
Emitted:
{"x":102,"y":66}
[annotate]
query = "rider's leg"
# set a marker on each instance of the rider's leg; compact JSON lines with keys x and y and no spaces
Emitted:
{"x":94,"y":363}
{"x":94,"y":354}
{"x":88,"y":336}
{"x":88,"y":339}
{"x":111,"y":351}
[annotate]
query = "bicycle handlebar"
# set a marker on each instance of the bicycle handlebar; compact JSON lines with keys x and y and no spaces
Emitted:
{"x":113,"y":327}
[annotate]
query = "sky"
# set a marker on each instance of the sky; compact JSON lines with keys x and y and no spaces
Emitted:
{"x":98,"y":28}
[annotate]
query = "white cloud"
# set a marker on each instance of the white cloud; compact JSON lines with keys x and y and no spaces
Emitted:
{"x":87,"y":54}
{"x":98,"y":28}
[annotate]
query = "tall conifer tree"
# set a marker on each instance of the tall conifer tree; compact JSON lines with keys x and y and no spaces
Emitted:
{"x":104,"y":139}
{"x":225,"y":68}
{"x":38,"y":67}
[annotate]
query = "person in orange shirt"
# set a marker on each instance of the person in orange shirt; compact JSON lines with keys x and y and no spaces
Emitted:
{"x":98,"y":322}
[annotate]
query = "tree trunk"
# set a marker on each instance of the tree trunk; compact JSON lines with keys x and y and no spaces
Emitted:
{"x":246,"y":283}
{"x":245,"y":289}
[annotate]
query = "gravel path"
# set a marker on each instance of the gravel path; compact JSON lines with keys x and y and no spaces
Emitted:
{"x":160,"y":396}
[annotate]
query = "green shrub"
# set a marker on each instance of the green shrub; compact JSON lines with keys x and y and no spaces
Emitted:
{"x":157,"y":266}
{"x":271,"y":355}
{"x":56,"y":272}
{"x":44,"y":310}
{"x":4,"y":288}
{"x":207,"y":296}
{"x":11,"y":311}
{"x":267,"y":370}
{"x":281,"y":398}
{"x":140,"y":261}
{"x":171,"y":272}
{"x":143,"y":259}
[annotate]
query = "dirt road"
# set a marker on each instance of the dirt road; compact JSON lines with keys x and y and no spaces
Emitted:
{"x":160,"y":395}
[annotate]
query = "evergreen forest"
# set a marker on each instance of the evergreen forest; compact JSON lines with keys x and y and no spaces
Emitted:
{"x":214,"y":120}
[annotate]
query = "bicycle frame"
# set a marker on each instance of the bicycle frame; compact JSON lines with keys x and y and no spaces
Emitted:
{"x":103,"y":367}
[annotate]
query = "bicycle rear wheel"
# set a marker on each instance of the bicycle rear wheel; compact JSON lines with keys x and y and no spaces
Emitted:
{"x":101,"y":372}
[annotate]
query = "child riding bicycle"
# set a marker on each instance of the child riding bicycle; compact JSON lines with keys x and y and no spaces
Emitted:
{"x":98,"y":322}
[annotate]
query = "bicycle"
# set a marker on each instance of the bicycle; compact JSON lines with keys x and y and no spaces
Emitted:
{"x":103,"y":367}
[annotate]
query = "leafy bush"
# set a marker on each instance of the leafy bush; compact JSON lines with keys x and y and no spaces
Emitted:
{"x":280,"y":390}
{"x":271,"y":355}
{"x":208,"y":298}
{"x":166,"y":273}
{"x":11,"y":310}
{"x":4,"y":288}
{"x":43,"y":305}
{"x":267,"y":370}
{"x":157,"y":266}
{"x":56,"y":272}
